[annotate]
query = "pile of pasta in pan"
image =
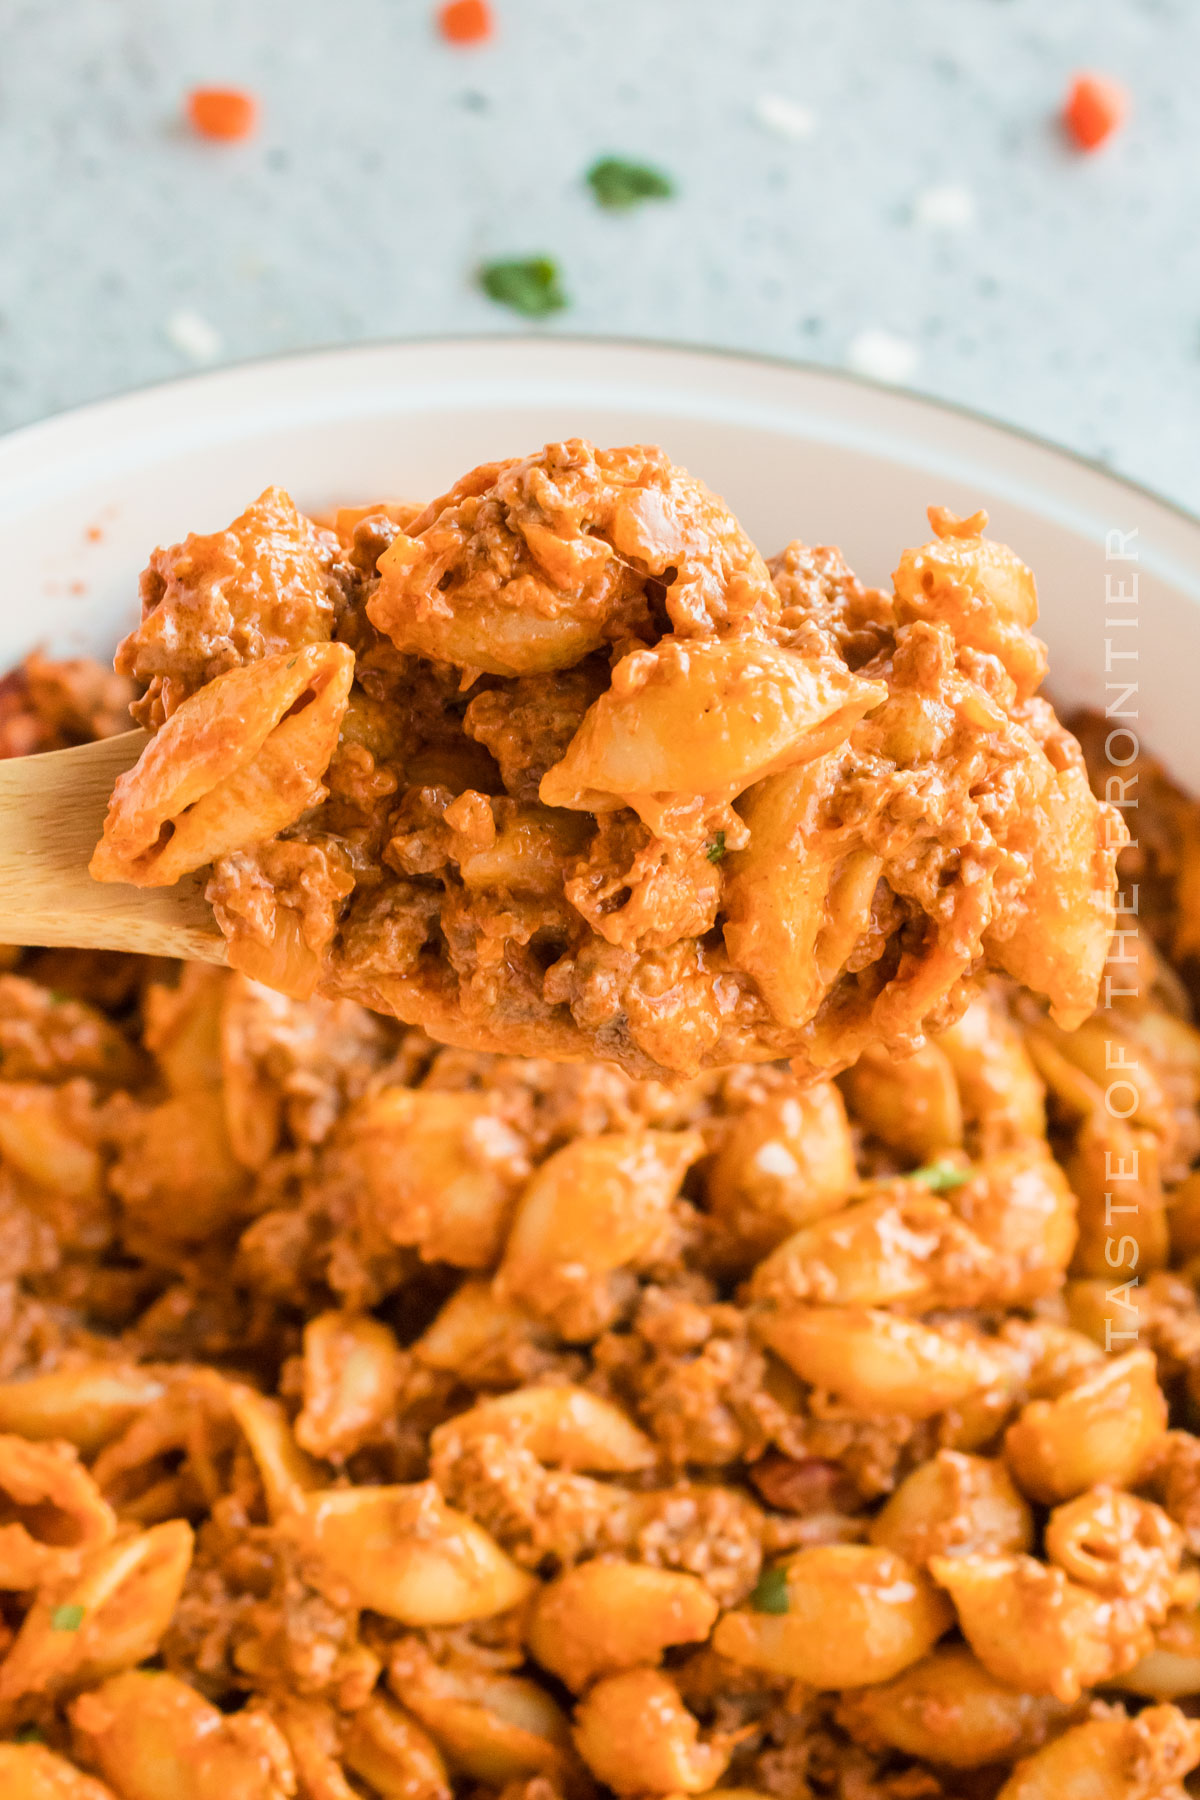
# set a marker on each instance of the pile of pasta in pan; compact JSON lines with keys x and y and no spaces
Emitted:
{"x":557,"y":765}
{"x":386,"y":1420}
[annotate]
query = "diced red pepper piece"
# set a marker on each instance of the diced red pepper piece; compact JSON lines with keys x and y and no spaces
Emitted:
{"x":465,"y":21}
{"x":1095,"y":108}
{"x":227,"y":113}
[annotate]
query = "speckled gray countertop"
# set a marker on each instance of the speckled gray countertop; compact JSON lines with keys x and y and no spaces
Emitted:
{"x":879,"y":183}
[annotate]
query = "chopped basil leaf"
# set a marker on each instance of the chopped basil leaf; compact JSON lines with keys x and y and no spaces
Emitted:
{"x":771,"y":1594}
{"x":716,"y":849}
{"x":941,"y":1177}
{"x":66,"y":1618}
{"x":618,"y":184}
{"x":530,"y":287}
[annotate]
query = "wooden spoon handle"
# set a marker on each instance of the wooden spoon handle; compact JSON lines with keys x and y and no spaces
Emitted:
{"x":51,"y":810}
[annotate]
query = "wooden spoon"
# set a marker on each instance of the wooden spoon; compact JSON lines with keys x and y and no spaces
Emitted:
{"x":51,"y":810}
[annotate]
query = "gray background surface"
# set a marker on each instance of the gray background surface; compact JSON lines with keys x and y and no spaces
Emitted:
{"x":389,"y":164}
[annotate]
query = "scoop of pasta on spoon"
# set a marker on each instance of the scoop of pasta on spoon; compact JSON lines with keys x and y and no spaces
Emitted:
{"x":559,"y":765}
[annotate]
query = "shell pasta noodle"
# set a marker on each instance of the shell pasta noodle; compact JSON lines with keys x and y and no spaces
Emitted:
{"x":559,"y":765}
{"x":237,"y":762}
{"x":387,"y":1420}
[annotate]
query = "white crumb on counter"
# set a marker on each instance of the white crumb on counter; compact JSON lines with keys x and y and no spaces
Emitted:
{"x":947,"y":207}
{"x":881,"y":355}
{"x":785,"y":118}
{"x":192,"y":335}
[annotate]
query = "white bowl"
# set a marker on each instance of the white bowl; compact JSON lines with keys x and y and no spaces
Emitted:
{"x":797,"y":452}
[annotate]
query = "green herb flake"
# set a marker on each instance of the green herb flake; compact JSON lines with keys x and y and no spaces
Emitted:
{"x":716,"y":849}
{"x":66,"y":1618}
{"x":29,"y":1734}
{"x":941,"y":1177}
{"x":530,"y":286}
{"x":618,"y":184}
{"x":57,"y":997}
{"x":771,"y":1594}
